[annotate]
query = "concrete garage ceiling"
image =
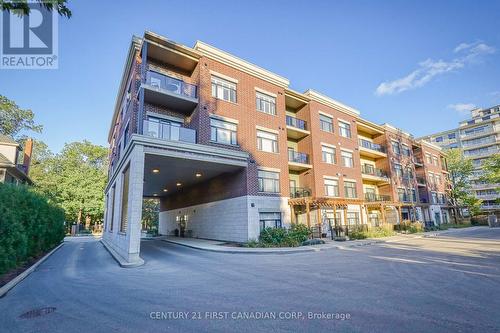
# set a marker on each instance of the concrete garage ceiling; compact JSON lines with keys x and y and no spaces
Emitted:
{"x":173,"y":170}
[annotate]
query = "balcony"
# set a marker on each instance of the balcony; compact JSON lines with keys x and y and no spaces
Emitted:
{"x":371,"y":173}
{"x":418,"y":161}
{"x":169,"y":132}
{"x":370,"y":149}
{"x":372,"y":197}
{"x":300,"y":192}
{"x":296,"y":128}
{"x":298,"y":161}
{"x":475,"y":133}
{"x":421,"y":181}
{"x":170,"y":92}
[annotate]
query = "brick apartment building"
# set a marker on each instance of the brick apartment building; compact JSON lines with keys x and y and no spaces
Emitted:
{"x":228,"y":149}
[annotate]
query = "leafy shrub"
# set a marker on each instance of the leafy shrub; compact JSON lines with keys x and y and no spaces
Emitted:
{"x":29,"y":225}
{"x":375,"y":232}
{"x":281,"y":237}
{"x":410,"y":227}
{"x":299,"y":232}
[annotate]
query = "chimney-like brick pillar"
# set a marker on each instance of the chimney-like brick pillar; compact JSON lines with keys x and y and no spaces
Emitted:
{"x":28,"y":150}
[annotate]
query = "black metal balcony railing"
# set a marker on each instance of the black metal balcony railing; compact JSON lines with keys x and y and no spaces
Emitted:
{"x":295,"y":122}
{"x":372,"y":146}
{"x":372,"y":197}
{"x":300,"y":192}
{"x":169,"y":132}
{"x":295,"y":156}
{"x":170,"y":84}
{"x":370,"y":170}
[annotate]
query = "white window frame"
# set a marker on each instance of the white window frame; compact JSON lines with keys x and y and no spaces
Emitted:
{"x":266,"y":183}
{"x":328,"y":154}
{"x":265,"y":103}
{"x":346,"y":132}
{"x":224,"y":89}
{"x":265,"y":136}
{"x":344,"y":158}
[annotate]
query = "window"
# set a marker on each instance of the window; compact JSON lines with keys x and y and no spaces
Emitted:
{"x":352,"y":218}
{"x":441,"y":198}
{"x":350,"y":189}
{"x":265,"y":103}
{"x":269,"y":220}
{"x":398,"y":170}
{"x":269,"y":181}
{"x":328,"y":155}
{"x":331,"y":187}
{"x":402,"y":195}
{"x":428,"y":158}
{"x":345,"y":129}
{"x":451,"y":136}
{"x":395,"y":147}
{"x":406,"y":150}
{"x":223,"y":89}
{"x":125,"y":188}
{"x":325,"y":123}
{"x":438,"y":179}
{"x":413,"y":195}
{"x":434,"y":197}
{"x":347,"y":159}
{"x":434,"y":160}
{"x":111,"y":219}
{"x":223,"y":132}
{"x":125,"y":136}
{"x":267,"y":141}
{"x":439,"y":139}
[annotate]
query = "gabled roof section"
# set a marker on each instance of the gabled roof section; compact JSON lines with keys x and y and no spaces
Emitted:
{"x":240,"y":64}
{"x":4,"y":160}
{"x":328,"y":101}
{"x":5,"y":139}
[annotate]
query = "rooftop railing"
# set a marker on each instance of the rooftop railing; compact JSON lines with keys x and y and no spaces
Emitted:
{"x":170,"y":84}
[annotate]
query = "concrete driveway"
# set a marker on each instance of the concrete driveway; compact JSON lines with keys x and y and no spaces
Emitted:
{"x":449,"y":283}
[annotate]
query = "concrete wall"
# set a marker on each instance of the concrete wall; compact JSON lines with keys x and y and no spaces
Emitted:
{"x":230,"y":220}
{"x":127,"y":243}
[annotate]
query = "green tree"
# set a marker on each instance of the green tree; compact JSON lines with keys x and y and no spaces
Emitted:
{"x":74,"y":179}
{"x":460,"y":169}
{"x":150,"y":211}
{"x":491,"y":168}
{"x":21,"y":7}
{"x":13,"y":119}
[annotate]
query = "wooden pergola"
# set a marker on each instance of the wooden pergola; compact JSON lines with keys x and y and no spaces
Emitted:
{"x":338,"y":204}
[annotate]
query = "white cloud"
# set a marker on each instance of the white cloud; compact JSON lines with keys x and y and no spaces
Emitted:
{"x":462,"y":107}
{"x":429,"y":69}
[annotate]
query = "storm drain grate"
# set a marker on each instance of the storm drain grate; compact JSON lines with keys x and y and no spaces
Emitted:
{"x":37,"y":312}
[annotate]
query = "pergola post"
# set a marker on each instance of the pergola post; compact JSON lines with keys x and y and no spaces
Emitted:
{"x":361,"y":214}
{"x":382,"y":210}
{"x":308,"y":214}
{"x":318,"y":215}
{"x":292,"y":214}
{"x":400,"y":214}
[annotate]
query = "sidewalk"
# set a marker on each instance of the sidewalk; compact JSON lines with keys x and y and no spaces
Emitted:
{"x":218,"y":246}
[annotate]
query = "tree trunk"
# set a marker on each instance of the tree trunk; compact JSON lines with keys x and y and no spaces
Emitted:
{"x":79,"y":221}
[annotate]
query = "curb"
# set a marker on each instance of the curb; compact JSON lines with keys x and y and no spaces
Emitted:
{"x":14,"y":282}
{"x":119,"y":259}
{"x":246,"y":250}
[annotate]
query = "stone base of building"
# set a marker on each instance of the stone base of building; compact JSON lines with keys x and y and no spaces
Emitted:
{"x":234,"y":220}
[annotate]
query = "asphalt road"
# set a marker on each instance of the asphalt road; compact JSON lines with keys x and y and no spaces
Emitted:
{"x":449,"y":283}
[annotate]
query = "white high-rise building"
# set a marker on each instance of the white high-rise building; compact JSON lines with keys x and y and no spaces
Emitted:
{"x":479,"y":138}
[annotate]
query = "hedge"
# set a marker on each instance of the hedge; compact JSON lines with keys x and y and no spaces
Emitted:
{"x":29,"y":225}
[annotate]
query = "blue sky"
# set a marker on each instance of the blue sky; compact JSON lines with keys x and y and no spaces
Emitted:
{"x":418,"y":65}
